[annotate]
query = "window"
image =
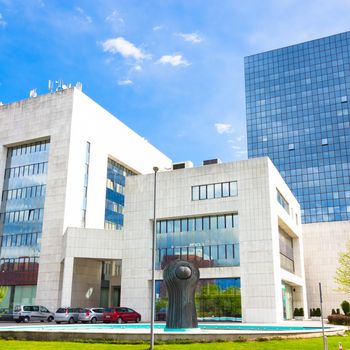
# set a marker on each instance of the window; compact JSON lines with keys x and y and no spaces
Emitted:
{"x":281,"y":200}
{"x":218,"y":190}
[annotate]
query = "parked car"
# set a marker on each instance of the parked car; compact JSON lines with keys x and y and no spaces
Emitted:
{"x":6,"y":314}
{"x":28,"y":313}
{"x":161,"y":314}
{"x":120,"y":315}
{"x":91,"y":315}
{"x":67,"y":314}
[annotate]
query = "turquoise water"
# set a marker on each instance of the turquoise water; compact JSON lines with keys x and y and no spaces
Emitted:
{"x":111,"y":326}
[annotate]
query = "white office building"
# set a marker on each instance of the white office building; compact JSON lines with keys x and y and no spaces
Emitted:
{"x":76,"y":218}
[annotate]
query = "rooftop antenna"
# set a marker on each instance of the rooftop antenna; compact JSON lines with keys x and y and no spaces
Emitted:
{"x":79,"y":86}
{"x":59,"y":85}
{"x":33,"y":93}
{"x":50,"y":85}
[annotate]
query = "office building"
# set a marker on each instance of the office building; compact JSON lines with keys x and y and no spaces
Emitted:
{"x":77,"y":218}
{"x":297,"y":104}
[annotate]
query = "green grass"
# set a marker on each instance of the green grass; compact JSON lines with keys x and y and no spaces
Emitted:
{"x":286,"y":344}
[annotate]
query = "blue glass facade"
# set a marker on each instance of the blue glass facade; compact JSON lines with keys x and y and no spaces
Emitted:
{"x":116,"y":175}
{"x":21,"y":214}
{"x":209,"y":241}
{"x":297,"y":102}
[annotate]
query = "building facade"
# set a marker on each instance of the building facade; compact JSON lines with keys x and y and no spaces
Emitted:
{"x":77,"y":211}
{"x":64,"y":160}
{"x":297,"y":104}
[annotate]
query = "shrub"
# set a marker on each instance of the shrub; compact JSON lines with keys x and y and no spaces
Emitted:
{"x":312,"y":313}
{"x":339,"y":320}
{"x":345,"y":307}
{"x":298,"y":312}
{"x":318,"y":312}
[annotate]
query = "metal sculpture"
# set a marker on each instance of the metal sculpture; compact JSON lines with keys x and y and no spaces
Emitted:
{"x":180,"y":278}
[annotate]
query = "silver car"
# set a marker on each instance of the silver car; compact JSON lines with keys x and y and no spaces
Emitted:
{"x":67,"y":314}
{"x":91,"y":315}
{"x":26,"y":313}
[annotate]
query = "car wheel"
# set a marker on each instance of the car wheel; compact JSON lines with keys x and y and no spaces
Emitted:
{"x":26,"y":319}
{"x":50,"y":319}
{"x":58,"y":322}
{"x":137,"y":319}
{"x":93,"y":320}
{"x":18,"y":321}
{"x":71,"y":320}
{"x":119,"y":320}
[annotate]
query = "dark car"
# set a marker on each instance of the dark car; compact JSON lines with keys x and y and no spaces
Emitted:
{"x":120,"y":315}
{"x":161,"y":314}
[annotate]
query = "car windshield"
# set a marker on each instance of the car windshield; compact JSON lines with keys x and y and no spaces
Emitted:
{"x":61,"y":310}
{"x":109,"y":309}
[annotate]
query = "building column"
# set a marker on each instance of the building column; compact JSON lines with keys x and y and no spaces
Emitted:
{"x":67,"y":281}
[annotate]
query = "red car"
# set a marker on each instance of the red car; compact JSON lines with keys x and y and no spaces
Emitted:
{"x":120,"y":315}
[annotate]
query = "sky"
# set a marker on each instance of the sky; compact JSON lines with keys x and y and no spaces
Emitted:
{"x":172,"y":70}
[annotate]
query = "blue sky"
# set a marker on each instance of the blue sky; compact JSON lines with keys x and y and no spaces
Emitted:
{"x":172,"y":70}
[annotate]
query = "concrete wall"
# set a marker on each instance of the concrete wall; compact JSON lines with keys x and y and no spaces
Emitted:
{"x":86,"y":283}
{"x":322,"y":243}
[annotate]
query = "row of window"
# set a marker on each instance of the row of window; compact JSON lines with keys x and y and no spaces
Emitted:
{"x":203,"y":252}
{"x":114,"y":186}
{"x":118,"y":168}
{"x":109,"y":225}
{"x":116,"y":207}
{"x":19,"y":264}
{"x":40,"y":146}
{"x":202,"y":223}
{"x":22,"y":215}
{"x":86,"y":181}
{"x":24,"y":192}
{"x":218,"y":190}
{"x":22,"y":239}
{"x":26,"y":170}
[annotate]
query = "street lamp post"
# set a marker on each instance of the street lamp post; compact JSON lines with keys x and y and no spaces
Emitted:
{"x":155,"y":169}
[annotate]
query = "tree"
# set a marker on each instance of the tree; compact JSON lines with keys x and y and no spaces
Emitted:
{"x":3,"y":291}
{"x":342,"y":274}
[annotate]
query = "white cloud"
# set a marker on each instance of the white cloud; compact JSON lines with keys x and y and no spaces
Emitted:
{"x":83,"y":14}
{"x":240,"y":138}
{"x":223,"y":128}
{"x":156,"y":28}
{"x":192,"y":37}
{"x":3,"y":23}
{"x":137,"y":68}
{"x":174,"y":60}
{"x":114,"y":17}
{"x":124,"y":48}
{"x":236,"y":147}
{"x":125,"y":82}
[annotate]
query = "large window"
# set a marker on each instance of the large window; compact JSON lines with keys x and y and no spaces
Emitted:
{"x":116,"y":174}
{"x":281,"y":200}
{"x":207,"y":240}
{"x":216,"y":299}
{"x":286,"y":251}
{"x":218,"y":190}
{"x":22,"y":212}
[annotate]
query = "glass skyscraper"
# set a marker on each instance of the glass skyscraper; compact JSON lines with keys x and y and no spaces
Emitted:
{"x":297,"y":102}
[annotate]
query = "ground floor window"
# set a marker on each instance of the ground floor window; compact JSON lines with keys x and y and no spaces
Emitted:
{"x":18,"y":295}
{"x":215,"y":298}
{"x":287,"y":300}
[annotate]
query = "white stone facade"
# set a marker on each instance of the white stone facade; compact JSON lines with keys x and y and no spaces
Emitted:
{"x":259,"y":213}
{"x":71,"y":256}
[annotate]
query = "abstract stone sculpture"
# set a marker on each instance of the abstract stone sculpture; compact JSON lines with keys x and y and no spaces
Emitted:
{"x":180,"y":278}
